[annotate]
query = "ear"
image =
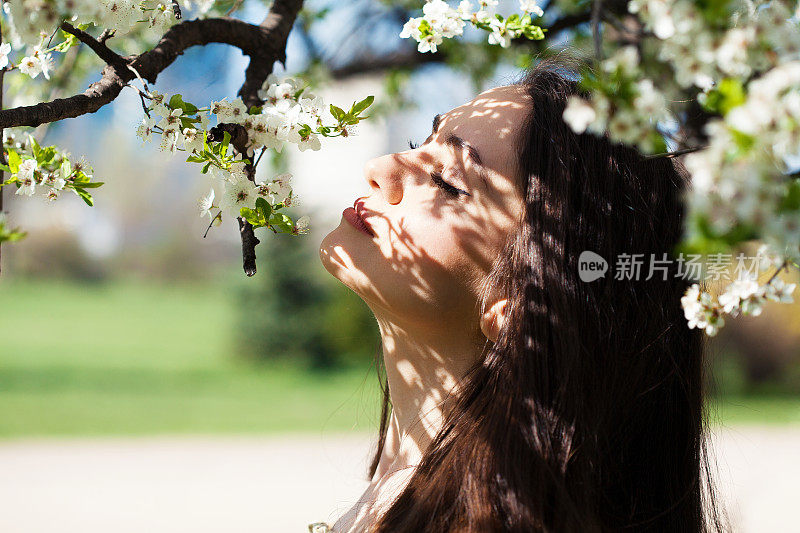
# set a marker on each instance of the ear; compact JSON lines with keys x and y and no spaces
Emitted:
{"x":494,"y":319}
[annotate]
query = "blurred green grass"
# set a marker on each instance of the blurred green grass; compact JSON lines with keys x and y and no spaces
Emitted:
{"x":137,"y":357}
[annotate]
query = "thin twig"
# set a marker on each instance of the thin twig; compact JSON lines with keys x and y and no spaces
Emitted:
{"x":233,"y":8}
{"x":142,"y":98}
{"x":103,"y":52}
{"x":106,"y":35}
{"x":259,"y":157}
{"x":597,"y":8}
{"x":676,"y":153}
{"x":784,"y":264}
{"x":144,"y":83}
{"x":218,"y":215}
{"x":51,"y":37}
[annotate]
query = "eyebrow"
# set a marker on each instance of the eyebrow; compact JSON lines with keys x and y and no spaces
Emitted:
{"x":457,"y":142}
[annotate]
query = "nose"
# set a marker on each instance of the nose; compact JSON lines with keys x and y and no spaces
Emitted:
{"x":385,"y":174}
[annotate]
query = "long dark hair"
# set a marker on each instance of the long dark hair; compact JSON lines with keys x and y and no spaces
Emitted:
{"x":587,"y":414}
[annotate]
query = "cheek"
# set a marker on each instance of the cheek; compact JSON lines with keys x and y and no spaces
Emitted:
{"x":416,"y":272}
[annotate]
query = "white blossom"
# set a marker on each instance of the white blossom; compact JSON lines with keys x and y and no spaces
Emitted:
{"x":239,"y":192}
{"x":26,"y":177}
{"x":5,"y":49}
{"x":578,"y":114}
{"x":206,"y":203}
{"x":30,"y":65}
{"x":301,"y":225}
{"x":146,"y":128}
{"x":530,"y":6}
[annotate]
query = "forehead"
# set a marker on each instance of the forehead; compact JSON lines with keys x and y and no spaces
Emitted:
{"x":491,"y":122}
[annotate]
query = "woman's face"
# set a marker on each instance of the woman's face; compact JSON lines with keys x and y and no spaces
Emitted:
{"x":433,"y":244}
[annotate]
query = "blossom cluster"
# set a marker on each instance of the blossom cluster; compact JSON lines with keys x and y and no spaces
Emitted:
{"x":439,"y":21}
{"x":634,"y":119}
{"x":744,"y":62}
{"x":737,"y":178}
{"x":286,"y":116}
{"x":31,"y":21}
{"x":701,"y":46}
{"x":45,"y":171}
{"x":241,"y":197}
{"x":744,"y":296}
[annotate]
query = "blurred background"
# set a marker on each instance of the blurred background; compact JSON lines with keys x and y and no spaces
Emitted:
{"x":146,"y":383}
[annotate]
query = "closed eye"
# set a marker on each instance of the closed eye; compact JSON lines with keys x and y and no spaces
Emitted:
{"x":446,"y":187}
{"x":436,"y":177}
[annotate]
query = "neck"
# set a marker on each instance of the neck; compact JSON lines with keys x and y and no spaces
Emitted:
{"x":423,"y":371}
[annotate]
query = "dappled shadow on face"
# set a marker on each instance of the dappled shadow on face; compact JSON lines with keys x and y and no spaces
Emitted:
{"x":423,"y":270}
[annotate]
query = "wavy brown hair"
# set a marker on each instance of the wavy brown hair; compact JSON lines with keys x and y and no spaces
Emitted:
{"x":587,"y":414}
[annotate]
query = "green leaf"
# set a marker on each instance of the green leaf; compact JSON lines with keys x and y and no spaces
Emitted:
{"x":743,"y":141}
{"x":14,"y":161}
{"x":85,"y":196}
{"x":66,"y":168}
{"x":533,"y":33}
{"x":702,"y":239}
{"x":281,"y":221}
{"x":91,"y":184}
{"x":35,"y":146}
{"x":727,"y":95}
{"x":195,"y":159}
{"x":337,"y":112}
{"x":358,"y":107}
{"x":263,"y":208}
{"x":226,"y":139}
{"x":46,"y":155}
{"x":69,"y":41}
{"x":10,"y":235}
{"x":791,"y":202}
{"x":176,"y":102}
{"x":251,"y":216}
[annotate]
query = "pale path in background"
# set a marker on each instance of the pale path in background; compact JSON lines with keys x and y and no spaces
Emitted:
{"x":281,"y":484}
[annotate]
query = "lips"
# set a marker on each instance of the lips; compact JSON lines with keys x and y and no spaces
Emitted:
{"x":355,"y":216}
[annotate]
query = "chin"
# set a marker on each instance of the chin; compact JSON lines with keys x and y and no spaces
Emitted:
{"x":342,"y":253}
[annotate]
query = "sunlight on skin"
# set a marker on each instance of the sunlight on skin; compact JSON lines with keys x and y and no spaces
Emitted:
{"x":422,"y":273}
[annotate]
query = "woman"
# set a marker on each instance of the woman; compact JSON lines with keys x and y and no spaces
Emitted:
{"x":523,"y":398}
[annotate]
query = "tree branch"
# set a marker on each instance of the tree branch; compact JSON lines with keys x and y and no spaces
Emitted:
{"x":411,"y":58}
{"x":264,"y":43}
{"x":99,"y":48}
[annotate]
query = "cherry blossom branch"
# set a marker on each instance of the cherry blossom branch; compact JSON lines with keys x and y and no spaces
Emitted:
{"x":264,"y":43}
{"x":410,"y":57}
